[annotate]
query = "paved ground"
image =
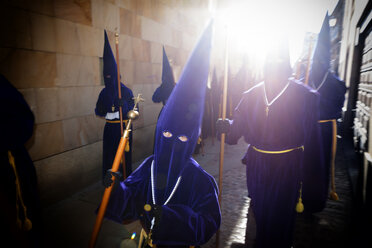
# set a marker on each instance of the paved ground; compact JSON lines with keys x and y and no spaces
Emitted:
{"x":70,"y":222}
{"x":331,"y":227}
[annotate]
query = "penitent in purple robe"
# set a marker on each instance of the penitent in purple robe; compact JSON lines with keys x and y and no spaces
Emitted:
{"x":332,"y":96}
{"x":274,"y":180}
{"x":191,"y":217}
{"x":108,"y":107}
{"x":170,"y":179}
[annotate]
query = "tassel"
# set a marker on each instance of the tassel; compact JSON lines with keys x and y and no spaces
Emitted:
{"x":334,"y":196}
{"x":300,"y":205}
{"x":27,"y":225}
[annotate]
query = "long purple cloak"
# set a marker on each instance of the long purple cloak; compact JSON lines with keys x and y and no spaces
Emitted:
{"x":191,"y":217}
{"x":171,"y":179}
{"x":274,"y":180}
{"x":332,"y":97}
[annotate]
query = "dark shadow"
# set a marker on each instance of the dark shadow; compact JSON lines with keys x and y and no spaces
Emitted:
{"x":238,"y":245}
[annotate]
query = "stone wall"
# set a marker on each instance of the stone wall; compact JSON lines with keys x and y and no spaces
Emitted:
{"x":52,"y":52}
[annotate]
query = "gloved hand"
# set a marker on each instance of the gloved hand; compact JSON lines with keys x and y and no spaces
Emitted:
{"x":223,"y":125}
{"x":107,"y":180}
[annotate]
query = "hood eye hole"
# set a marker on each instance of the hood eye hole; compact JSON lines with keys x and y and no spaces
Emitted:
{"x":183,"y":138}
{"x":167,"y":134}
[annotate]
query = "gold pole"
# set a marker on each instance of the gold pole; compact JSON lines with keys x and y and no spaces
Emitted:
{"x":309,"y":61}
{"x":223,"y":135}
{"x":107,"y":193}
{"x":119,"y":92}
{"x":212,"y":115}
{"x":133,"y":114}
{"x":333,"y":193}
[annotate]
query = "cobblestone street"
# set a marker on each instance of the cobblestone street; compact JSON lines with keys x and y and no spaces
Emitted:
{"x":331,"y":227}
{"x":75,"y":216}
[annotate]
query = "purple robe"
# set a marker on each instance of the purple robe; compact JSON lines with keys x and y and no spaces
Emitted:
{"x":274,"y":180}
{"x":170,"y":179}
{"x":332,"y":97}
{"x":191,"y":217}
{"x":112,"y":131}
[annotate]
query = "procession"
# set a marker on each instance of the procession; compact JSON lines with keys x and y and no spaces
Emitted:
{"x":186,"y":124}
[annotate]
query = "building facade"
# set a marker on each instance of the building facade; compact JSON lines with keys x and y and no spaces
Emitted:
{"x":355,"y":68}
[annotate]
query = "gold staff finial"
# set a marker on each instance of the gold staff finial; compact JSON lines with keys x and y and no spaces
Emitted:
{"x":116,"y":37}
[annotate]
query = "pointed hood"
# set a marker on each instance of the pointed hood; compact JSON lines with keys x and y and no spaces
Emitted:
{"x":109,"y":69}
{"x":162,"y":93}
{"x":167,"y":78}
{"x":178,"y":126}
{"x":322,"y":53}
{"x":277,"y":62}
{"x":240,"y":79}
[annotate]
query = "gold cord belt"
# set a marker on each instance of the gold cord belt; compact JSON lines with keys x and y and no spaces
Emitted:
{"x":280,"y":151}
{"x":117,"y":121}
{"x":299,"y":205}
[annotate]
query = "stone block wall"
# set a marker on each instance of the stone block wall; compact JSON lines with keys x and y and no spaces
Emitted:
{"x":51,"y":50}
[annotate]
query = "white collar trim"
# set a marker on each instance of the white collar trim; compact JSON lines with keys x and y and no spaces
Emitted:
{"x":323,"y":81}
{"x":275,"y":98}
{"x":153,"y":186}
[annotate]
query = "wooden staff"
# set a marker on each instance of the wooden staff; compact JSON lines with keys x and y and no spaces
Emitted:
{"x":298,"y":69}
{"x":213,"y":121}
{"x":119,"y":92}
{"x":223,"y":135}
{"x":309,"y":61}
{"x":133,"y":114}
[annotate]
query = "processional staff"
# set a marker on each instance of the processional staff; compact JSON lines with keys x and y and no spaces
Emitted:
{"x":119,"y":93}
{"x":223,"y":135}
{"x":132,"y":115}
{"x":311,"y":39}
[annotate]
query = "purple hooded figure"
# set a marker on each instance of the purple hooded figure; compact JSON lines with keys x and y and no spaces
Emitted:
{"x":278,"y":119}
{"x":107,"y":107}
{"x":183,"y":197}
{"x":332,"y":96}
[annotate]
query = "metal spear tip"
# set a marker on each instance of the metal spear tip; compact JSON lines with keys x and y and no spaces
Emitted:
{"x":133,"y":114}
